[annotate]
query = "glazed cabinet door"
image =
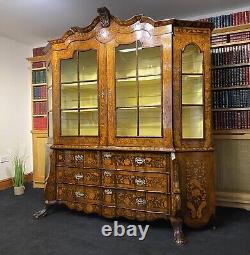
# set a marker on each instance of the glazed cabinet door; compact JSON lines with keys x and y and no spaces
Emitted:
{"x":191,"y":89}
{"x":79,"y":73}
{"x":139,"y":90}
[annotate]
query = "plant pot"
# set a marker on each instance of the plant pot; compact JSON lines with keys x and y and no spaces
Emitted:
{"x":19,"y":190}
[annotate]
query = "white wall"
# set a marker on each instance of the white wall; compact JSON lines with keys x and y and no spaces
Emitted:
{"x":15,"y":104}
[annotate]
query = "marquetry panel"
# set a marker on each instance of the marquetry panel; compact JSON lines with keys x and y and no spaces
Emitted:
{"x":79,"y":176}
{"x":77,"y":158}
{"x":136,"y":161}
{"x":143,"y":181}
{"x":158,"y":202}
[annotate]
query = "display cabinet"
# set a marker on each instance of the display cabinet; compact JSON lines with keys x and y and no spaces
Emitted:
{"x":132,"y":121}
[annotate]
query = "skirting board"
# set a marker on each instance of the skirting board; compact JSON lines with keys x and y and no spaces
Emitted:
{"x":7,"y":183}
{"x":233,"y":199}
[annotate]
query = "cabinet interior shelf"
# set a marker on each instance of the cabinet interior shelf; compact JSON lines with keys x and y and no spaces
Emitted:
{"x":230,"y":44}
{"x":233,"y":87}
{"x":233,"y":65}
{"x":231,"y":109}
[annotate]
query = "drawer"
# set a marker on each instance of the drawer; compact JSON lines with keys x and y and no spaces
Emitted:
{"x":77,"y":158}
{"x":79,"y":194}
{"x":158,"y":182}
{"x":80,"y":176}
{"x":154,"y":202}
{"x":155,"y":162}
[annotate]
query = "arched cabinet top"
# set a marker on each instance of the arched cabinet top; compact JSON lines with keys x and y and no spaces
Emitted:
{"x":105,"y":26}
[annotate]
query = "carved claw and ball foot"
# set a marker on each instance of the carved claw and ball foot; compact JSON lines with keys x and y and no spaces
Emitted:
{"x":179,"y":237}
{"x":44,"y":211}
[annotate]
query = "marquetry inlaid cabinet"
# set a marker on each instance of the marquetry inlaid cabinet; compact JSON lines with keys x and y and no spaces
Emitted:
{"x":132,"y":121}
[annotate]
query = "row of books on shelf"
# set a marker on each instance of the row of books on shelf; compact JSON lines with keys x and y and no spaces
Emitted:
{"x":231,"y":55}
{"x":231,"y":38}
{"x":40,"y":123}
{"x":231,"y":120}
{"x":38,"y":76}
{"x":233,"y":19}
{"x":234,"y":76}
{"x":39,"y":108}
{"x":40,"y":92}
{"x":40,"y":64}
{"x":239,"y":98}
{"x":38,"y":51}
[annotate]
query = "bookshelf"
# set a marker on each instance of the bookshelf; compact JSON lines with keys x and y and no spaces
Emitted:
{"x":39,"y":114}
{"x":231,"y":107}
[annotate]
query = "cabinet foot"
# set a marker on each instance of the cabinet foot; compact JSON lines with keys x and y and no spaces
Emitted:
{"x":44,"y":211}
{"x":179,"y":237}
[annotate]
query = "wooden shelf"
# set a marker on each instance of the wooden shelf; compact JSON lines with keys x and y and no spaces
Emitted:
{"x":232,"y":87}
{"x":38,"y":69}
{"x":39,"y":115}
{"x":230,"y":44}
{"x":37,"y":58}
{"x":228,"y":66}
{"x":40,"y":100}
{"x":231,"y":132}
{"x":39,"y":84}
{"x":231,"y":109}
{"x":40,"y":131}
{"x":231,"y":30}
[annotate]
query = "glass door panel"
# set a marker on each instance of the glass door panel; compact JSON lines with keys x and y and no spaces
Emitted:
{"x":89,"y":122}
{"x":69,"y":122}
{"x":69,"y":96}
{"x":192,"y":86}
{"x":69,"y":69}
{"x":126,"y":61}
{"x":133,"y":118}
{"x":126,"y":121}
{"x":192,"y":121}
{"x":192,"y":93}
{"x":150,"y":90}
{"x":88,"y":95}
{"x":126,"y":92}
{"x":50,"y":99}
{"x":192,"y":60}
{"x":149,"y":61}
{"x":79,"y":95}
{"x":150,"y":121}
{"x":88,"y":65}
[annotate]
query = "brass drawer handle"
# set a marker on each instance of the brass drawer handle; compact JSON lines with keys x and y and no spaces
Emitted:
{"x":80,"y":194}
{"x":107,"y":173}
{"x":140,"y":182}
{"x":140,"y":201}
{"x":78,"y":177}
{"x":140,"y":161}
{"x":78,"y":158}
{"x":108,"y":191}
{"x":107,"y":155}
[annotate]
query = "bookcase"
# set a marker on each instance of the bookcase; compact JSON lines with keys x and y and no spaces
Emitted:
{"x":39,"y":114}
{"x":231,"y":107}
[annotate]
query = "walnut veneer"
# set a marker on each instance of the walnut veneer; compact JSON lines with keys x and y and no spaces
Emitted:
{"x":139,"y":177}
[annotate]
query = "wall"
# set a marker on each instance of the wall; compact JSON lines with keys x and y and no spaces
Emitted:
{"x":15,"y":105}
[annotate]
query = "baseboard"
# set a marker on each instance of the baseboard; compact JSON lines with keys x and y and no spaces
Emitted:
{"x":233,"y":199}
{"x":7,"y":183}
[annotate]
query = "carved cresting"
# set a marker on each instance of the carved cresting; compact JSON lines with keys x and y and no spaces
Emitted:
{"x":196,"y":188}
{"x":104,"y":16}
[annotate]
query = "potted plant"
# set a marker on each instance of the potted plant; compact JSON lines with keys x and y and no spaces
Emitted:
{"x":18,"y":179}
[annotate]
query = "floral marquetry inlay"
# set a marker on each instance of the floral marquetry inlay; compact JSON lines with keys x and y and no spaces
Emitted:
{"x":196,"y":188}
